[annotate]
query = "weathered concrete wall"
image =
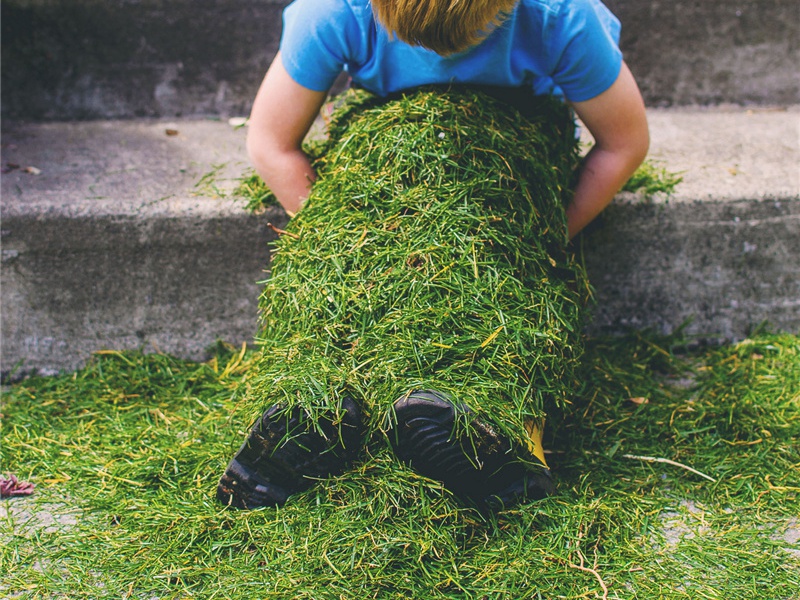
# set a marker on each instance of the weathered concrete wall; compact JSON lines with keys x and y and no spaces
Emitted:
{"x":713,"y":51}
{"x":88,"y":59}
{"x":176,"y":284}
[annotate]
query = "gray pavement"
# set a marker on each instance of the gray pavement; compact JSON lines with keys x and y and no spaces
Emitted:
{"x":727,"y":154}
{"x":128,"y":236}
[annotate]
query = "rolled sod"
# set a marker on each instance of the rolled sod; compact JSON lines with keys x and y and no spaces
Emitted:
{"x":431,"y":254}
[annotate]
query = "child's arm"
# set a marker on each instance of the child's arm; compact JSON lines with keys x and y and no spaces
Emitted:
{"x":282,"y":114}
{"x":616,"y":118}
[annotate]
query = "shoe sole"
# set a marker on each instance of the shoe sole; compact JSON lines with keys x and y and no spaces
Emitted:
{"x":484,"y":469}
{"x":284,"y":454}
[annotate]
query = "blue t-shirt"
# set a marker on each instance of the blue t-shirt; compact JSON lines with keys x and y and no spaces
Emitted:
{"x":562,"y":47}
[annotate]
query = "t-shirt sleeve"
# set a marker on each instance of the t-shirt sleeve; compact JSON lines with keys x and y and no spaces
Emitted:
{"x":317,"y":41}
{"x":587,"y":58}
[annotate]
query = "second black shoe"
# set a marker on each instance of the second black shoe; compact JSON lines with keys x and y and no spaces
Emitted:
{"x":483,"y":467}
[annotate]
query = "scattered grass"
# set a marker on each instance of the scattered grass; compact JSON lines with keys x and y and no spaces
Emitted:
{"x":257,"y":196}
{"x":651,"y":178}
{"x":126,"y":452}
{"x":208,"y":184}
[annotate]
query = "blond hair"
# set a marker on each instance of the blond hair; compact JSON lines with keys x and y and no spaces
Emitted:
{"x":444,"y":26}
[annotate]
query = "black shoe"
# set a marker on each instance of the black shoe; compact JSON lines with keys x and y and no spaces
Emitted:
{"x":483,"y":468}
{"x":524,"y":484}
{"x":285,"y":453}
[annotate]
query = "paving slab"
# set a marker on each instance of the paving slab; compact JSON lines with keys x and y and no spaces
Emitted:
{"x":123,"y":234}
{"x":729,"y":154}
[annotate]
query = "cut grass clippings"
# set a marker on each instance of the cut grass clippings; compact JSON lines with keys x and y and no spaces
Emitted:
{"x":126,"y":453}
{"x":651,"y":178}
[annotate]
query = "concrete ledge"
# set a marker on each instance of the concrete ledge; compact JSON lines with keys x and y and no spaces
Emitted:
{"x":90,"y":59}
{"x":712,"y":52}
{"x":121,"y":242}
{"x":721,"y":253}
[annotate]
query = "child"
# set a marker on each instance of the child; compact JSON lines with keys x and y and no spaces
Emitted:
{"x":561,"y":47}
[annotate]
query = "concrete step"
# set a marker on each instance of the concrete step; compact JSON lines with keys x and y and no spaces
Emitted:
{"x":123,"y":234}
{"x":724,"y":251}
{"x":85,"y":59}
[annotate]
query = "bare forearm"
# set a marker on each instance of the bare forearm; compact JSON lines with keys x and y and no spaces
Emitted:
{"x":602,"y":175}
{"x":282,"y":113}
{"x":617,"y":120}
